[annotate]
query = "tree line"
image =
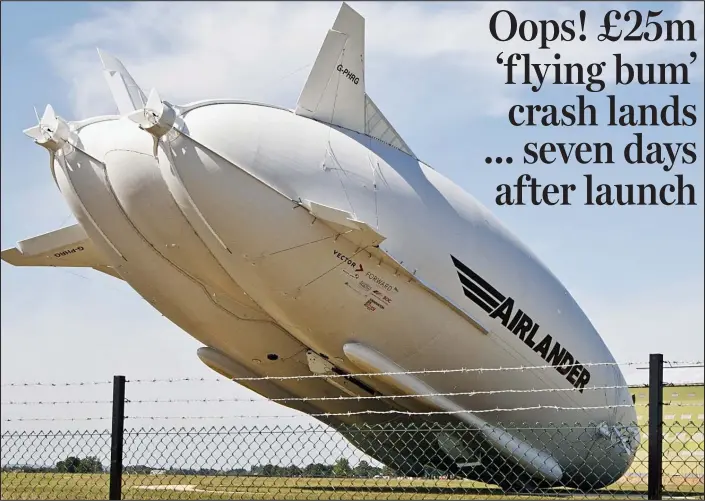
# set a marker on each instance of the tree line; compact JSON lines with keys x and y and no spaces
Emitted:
{"x":71,"y":464}
{"x":92,"y":464}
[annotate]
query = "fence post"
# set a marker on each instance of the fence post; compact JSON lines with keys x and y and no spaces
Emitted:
{"x":655,"y":425}
{"x":117,"y":437}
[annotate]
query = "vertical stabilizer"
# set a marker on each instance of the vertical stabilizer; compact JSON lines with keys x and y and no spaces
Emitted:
{"x":127,"y":94}
{"x":335,"y":90}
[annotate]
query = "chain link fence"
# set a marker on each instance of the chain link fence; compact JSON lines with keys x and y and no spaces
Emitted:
{"x":362,"y":452}
{"x":422,"y":461}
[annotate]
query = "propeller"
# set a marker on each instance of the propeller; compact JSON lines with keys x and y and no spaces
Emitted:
{"x":51,"y":132}
{"x":157,"y":117}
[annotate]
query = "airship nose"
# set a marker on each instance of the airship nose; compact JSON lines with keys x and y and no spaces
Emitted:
{"x":613,"y":441}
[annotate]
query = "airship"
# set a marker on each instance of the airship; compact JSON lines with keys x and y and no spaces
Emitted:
{"x":318,"y":260}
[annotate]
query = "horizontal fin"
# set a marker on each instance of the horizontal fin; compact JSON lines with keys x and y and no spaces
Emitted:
{"x":68,"y":247}
{"x":358,"y":232}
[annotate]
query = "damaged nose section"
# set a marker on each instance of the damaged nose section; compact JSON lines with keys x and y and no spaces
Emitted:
{"x":611,"y":455}
{"x":624,"y":437}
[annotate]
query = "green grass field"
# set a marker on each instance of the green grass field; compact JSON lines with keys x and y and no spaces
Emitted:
{"x":682,"y":404}
{"x":682,"y":433}
{"x":87,"y":486}
{"x":683,"y":466}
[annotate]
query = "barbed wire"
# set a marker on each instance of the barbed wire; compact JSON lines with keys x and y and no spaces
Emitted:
{"x":301,"y":399}
{"x":59,"y":402}
{"x":96,"y":418}
{"x":308,"y":399}
{"x":433,"y":413}
{"x":350,"y":413}
{"x":671,"y":363}
{"x":54,"y":385}
{"x":398,"y":373}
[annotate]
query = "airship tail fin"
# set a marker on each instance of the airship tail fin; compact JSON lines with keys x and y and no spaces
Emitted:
{"x":377,"y":126}
{"x":335,"y":90}
{"x":67,"y":247}
{"x":127,"y":94}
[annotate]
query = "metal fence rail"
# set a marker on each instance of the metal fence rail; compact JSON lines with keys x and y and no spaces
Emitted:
{"x":306,"y":462}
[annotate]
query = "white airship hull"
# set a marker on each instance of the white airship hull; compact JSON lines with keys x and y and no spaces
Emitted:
{"x":314,"y":241}
{"x":213,"y":234}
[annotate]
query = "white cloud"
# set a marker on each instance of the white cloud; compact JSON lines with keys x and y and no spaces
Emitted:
{"x":198,"y":50}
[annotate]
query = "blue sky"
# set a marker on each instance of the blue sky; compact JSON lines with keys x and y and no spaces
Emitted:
{"x":636,"y":271}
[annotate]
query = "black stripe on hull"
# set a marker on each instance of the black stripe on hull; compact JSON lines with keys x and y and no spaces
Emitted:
{"x":479,"y":280}
{"x":477,"y":300}
{"x":473,"y":287}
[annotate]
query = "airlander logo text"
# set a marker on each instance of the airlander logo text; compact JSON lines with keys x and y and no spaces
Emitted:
{"x":521,"y":325}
